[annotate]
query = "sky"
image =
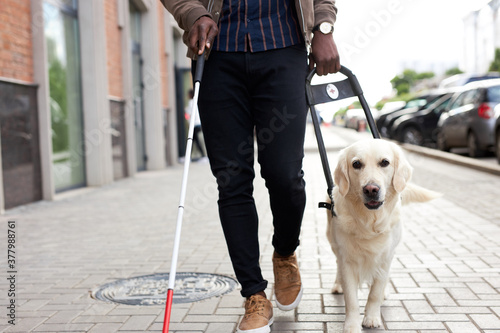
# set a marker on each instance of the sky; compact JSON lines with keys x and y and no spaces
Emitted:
{"x":377,"y":39}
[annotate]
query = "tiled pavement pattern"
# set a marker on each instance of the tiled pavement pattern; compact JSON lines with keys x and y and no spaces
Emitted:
{"x":445,"y":277}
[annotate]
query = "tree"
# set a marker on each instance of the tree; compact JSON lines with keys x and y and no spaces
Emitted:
{"x":404,"y":82}
{"x":453,"y":71}
{"x":495,"y":64}
{"x":425,"y":75}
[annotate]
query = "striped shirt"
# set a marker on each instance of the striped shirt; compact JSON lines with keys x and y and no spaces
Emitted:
{"x":257,"y":25}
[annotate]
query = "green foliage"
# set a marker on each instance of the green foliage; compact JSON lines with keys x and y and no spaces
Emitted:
{"x":58,"y":99}
{"x":403,"y":82}
{"x":341,"y":111}
{"x":495,"y":64}
{"x":453,"y":71}
{"x":425,"y":75}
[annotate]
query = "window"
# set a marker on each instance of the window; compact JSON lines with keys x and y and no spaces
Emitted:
{"x":63,"y":57}
{"x":493,"y":94}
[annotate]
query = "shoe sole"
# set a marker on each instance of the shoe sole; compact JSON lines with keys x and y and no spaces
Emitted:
{"x":264,"y":329}
{"x":290,"y":306}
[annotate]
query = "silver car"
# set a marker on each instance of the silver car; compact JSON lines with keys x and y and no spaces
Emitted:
{"x":469,"y":119}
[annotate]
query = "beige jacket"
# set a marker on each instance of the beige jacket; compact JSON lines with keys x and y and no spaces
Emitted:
{"x":310,"y":12}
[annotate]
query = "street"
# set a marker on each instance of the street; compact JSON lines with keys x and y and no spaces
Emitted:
{"x":445,"y":277}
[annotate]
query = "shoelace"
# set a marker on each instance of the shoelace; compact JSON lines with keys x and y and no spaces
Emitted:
{"x":255,"y":306}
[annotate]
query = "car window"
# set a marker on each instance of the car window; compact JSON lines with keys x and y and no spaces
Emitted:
{"x":493,"y":94}
{"x":458,"y":101}
{"x":471,"y":96}
{"x":416,"y":102}
{"x":433,"y":99}
{"x":438,"y":109}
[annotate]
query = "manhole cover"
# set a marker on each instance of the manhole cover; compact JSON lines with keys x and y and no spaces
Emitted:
{"x":152,"y":289}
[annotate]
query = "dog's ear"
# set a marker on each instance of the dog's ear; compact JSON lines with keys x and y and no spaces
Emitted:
{"x":402,"y":170}
{"x":341,"y":174}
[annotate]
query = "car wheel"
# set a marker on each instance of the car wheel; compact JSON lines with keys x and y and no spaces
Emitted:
{"x":497,"y":146}
{"x":473,"y":146}
{"x":413,"y":136}
{"x":441,"y":142}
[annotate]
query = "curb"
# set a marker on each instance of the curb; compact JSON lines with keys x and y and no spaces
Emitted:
{"x":453,"y":158}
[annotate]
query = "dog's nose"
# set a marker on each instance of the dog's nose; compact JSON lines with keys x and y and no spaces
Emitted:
{"x":371,"y":190}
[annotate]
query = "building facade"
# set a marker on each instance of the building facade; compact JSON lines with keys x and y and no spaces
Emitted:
{"x":482,"y":37}
{"x":91,"y":91}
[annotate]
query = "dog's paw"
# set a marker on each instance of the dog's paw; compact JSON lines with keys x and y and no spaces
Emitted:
{"x":372,"y":321}
{"x":337,"y":288}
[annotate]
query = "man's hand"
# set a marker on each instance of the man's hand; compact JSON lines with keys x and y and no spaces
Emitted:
{"x":202,"y":34}
{"x":324,"y":54}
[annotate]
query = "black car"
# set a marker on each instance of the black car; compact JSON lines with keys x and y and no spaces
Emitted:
{"x":385,"y":121}
{"x":419,"y":128}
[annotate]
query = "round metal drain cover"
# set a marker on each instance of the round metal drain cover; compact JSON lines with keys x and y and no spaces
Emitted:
{"x":152,"y":289}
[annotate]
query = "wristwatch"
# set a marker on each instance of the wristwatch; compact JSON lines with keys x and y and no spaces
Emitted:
{"x":325,"y":28}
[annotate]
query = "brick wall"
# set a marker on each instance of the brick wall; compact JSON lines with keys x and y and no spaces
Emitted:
{"x":114,"y":49}
{"x":16,"y":50}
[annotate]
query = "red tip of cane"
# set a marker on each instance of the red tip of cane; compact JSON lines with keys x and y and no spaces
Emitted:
{"x":168,"y":309}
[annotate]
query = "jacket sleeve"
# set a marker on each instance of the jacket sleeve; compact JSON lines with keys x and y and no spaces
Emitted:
{"x":324,"y":11}
{"x":185,"y":12}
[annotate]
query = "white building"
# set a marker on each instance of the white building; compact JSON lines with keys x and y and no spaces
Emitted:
{"x":482,"y":37}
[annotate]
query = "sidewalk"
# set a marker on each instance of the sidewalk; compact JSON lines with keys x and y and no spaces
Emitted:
{"x":445,"y":277}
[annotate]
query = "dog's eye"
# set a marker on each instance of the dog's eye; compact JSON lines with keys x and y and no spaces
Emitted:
{"x":384,"y":163}
{"x":356,"y":165}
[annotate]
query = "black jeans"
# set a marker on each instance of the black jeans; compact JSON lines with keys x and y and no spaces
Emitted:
{"x":262,"y":95}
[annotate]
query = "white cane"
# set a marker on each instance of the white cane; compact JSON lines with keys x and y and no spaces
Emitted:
{"x":187,"y":160}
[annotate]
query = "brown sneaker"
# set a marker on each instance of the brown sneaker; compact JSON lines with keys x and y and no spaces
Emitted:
{"x":287,"y":284}
{"x":258,"y":315}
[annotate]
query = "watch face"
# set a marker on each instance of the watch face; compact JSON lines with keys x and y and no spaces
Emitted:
{"x":325,"y":27}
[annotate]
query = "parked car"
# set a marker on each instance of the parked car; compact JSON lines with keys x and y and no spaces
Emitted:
{"x":462,"y":79}
{"x":354,"y":118}
{"x":469,"y":120}
{"x":419,"y":128}
{"x":497,"y":134}
{"x":385,"y":120}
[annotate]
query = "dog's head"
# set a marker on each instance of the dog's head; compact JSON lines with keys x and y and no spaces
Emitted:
{"x":372,"y":171}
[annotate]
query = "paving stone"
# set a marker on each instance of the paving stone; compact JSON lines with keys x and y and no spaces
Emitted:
{"x":25,"y":324}
{"x":394,"y":314}
{"x":463,"y":309}
{"x":183,"y":327}
{"x":204,"y":307}
{"x":105,"y":328}
{"x":458,"y":327}
{"x":220,"y":327}
{"x":138,"y":323}
{"x":63,"y":317}
{"x":445,"y":276}
{"x":69,"y":327}
{"x":415,"y":326}
{"x":486,"y":321}
{"x":418,"y":307}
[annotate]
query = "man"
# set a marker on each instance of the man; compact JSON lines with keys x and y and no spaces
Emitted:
{"x":254,"y":83}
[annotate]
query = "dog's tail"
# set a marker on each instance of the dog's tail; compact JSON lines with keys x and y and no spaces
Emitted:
{"x":415,"y":193}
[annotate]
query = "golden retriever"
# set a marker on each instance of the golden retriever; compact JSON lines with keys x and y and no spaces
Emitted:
{"x":372,"y":178}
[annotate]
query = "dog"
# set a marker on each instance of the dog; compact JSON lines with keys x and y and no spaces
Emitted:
{"x":372,"y":178}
